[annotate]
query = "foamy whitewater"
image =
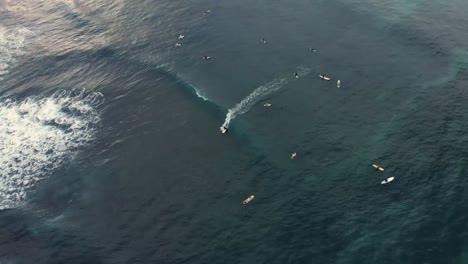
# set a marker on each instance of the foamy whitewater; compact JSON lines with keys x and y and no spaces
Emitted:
{"x":258,"y":94}
{"x":38,"y":135}
{"x":249,"y":101}
{"x":11,"y":43}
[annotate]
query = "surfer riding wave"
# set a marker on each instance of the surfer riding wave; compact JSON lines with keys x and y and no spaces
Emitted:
{"x":244,"y":106}
{"x":258,"y":94}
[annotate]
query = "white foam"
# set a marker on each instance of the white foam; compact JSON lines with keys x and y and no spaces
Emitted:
{"x":199,"y":95}
{"x":261,"y":92}
{"x":12,"y":42}
{"x":247,"y":103}
{"x":302,"y":71}
{"x":39,"y":135}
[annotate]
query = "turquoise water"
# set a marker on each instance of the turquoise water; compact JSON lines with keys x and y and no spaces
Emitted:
{"x":111,"y":150}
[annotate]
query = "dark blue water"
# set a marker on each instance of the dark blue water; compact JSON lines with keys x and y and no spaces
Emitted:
{"x":110,"y":149}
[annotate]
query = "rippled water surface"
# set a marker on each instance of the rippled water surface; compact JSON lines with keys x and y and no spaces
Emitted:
{"x":110,"y":143}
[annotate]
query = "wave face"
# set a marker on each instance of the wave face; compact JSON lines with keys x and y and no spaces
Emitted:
{"x":38,"y":135}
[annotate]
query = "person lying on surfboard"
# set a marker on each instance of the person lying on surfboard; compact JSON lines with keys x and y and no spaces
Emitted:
{"x":224,"y":130}
{"x":323,"y":77}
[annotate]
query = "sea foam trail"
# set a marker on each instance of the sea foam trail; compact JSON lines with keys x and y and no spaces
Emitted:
{"x":258,"y":94}
{"x":37,"y":135}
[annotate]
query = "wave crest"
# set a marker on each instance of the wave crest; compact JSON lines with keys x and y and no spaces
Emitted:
{"x":12,"y":42}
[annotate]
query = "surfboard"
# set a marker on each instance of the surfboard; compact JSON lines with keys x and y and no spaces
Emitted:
{"x":378,"y":167}
{"x":387,"y":180}
{"x":323,"y":77}
{"x":246,"y":201}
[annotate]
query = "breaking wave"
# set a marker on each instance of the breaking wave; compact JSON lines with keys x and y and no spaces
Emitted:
{"x":37,"y":135}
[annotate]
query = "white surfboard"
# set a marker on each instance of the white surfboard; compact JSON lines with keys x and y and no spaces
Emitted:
{"x":323,"y":77}
{"x":387,"y":180}
{"x":246,"y":201}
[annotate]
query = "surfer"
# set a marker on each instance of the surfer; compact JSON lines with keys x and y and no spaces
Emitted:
{"x":312,"y":50}
{"x":338,"y":84}
{"x":178,"y":44}
{"x":378,"y":167}
{"x":207,"y":12}
{"x":206,"y":57}
{"x":267,"y":105}
{"x":181,"y":36}
{"x":263,"y":40}
{"x":387,"y":180}
{"x":293,"y":156}
{"x":224,"y":129}
{"x":250,"y":198}
{"x":323,"y":77}
{"x":296,"y":75}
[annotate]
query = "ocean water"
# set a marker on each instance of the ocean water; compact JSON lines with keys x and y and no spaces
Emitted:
{"x":110,"y":148}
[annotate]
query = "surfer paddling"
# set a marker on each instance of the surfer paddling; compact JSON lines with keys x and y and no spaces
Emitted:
{"x":390,"y":179}
{"x":293,"y":156}
{"x":250,"y":198}
{"x":378,"y":167}
{"x":323,"y":77}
